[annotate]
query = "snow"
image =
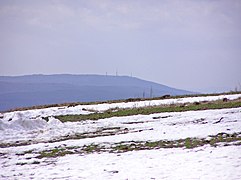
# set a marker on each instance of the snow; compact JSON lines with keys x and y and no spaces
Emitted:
{"x":200,"y":163}
{"x":36,"y":134}
{"x":87,"y":109}
{"x":140,"y":127}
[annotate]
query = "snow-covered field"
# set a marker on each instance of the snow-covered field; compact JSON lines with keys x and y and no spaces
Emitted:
{"x":24,"y":136}
{"x":86,"y":109}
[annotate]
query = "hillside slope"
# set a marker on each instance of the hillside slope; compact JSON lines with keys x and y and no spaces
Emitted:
{"x":205,"y":143}
{"x":22,"y":91}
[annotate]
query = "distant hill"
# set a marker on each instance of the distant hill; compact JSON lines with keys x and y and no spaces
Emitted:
{"x":30,"y":90}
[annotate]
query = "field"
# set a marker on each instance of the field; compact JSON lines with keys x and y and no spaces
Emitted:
{"x":174,"y":138}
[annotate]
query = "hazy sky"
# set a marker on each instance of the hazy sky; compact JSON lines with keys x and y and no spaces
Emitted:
{"x":189,"y":44}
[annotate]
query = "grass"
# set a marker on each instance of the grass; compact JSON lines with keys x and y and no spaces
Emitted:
{"x":128,"y":112}
{"x":54,"y":153}
{"x":118,"y":101}
{"x":152,"y":109}
{"x":62,"y":151}
{"x":220,"y":139}
{"x":187,"y":143}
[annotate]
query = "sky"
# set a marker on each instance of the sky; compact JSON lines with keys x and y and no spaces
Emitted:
{"x":187,"y":44}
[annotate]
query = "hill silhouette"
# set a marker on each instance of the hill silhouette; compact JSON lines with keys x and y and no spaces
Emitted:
{"x":30,"y":90}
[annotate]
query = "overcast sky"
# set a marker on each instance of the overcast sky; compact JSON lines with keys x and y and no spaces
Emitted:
{"x":187,"y":44}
